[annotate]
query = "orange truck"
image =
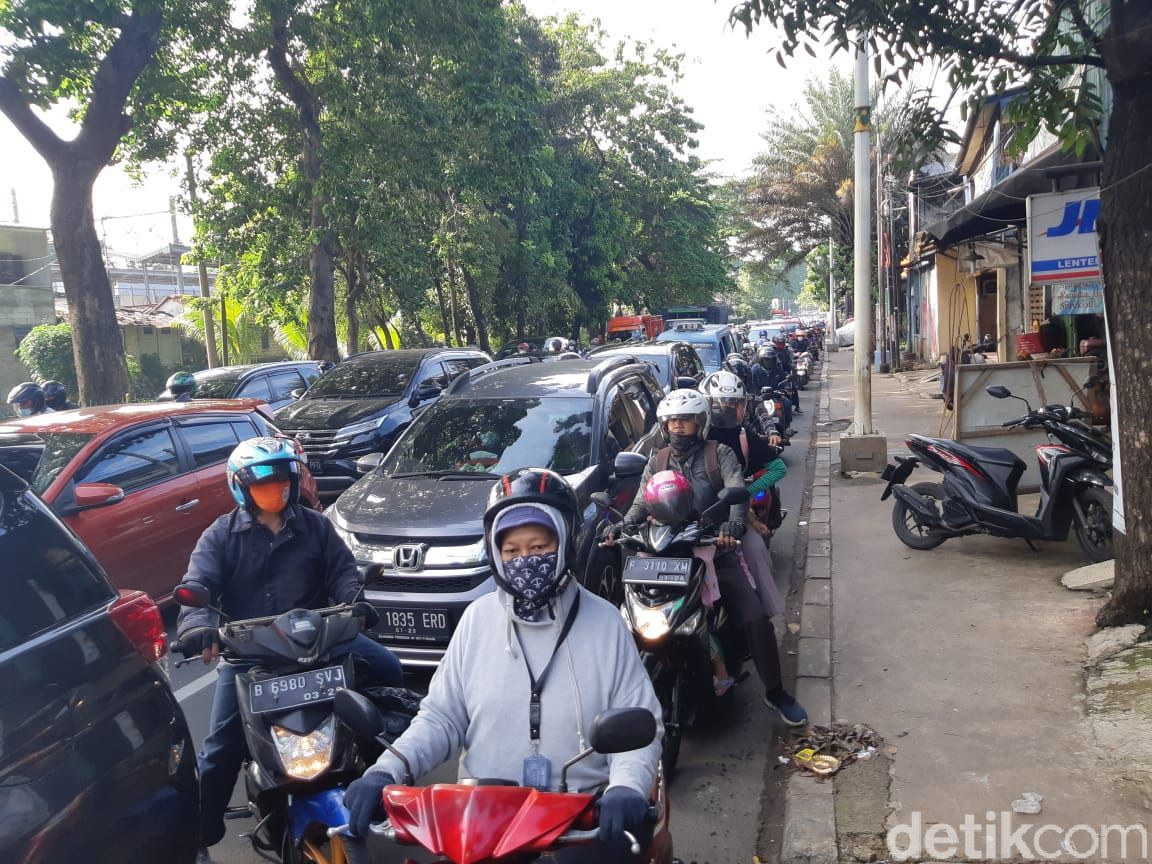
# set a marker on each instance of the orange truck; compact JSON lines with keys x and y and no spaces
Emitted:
{"x":623,"y":328}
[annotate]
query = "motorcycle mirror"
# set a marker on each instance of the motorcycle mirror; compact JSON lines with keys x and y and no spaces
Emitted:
{"x":998,"y":391}
{"x":192,"y":594}
{"x":620,"y":730}
{"x":601,"y":500}
{"x":628,"y":464}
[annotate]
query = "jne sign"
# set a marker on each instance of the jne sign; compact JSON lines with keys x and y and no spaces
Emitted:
{"x":1062,"y":241}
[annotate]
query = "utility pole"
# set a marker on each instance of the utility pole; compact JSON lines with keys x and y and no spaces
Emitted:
{"x":209,"y":326}
{"x":881,"y":282}
{"x":831,"y":341}
{"x":15,"y":208}
{"x":176,"y":242}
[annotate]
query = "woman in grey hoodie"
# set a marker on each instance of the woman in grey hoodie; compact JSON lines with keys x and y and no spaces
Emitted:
{"x":528,"y":669}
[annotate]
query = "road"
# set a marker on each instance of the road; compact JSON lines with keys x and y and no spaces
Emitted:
{"x":719,"y":811}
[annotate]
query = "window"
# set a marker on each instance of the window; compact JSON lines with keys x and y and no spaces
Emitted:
{"x":11,"y":268}
{"x":255,"y":388}
{"x":147,"y":331}
{"x":376,"y":374}
{"x":210,"y":443}
{"x":474,"y":362}
{"x":243,"y":429}
{"x":455,"y":368}
{"x":311,"y":373}
{"x":44,"y":580}
{"x":623,"y":425}
{"x":135,"y":460}
{"x":283,"y":383}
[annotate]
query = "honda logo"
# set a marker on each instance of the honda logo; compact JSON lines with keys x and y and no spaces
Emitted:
{"x":408,"y":557}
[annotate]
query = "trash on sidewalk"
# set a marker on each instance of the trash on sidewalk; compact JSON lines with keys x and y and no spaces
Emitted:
{"x":826,"y":750}
{"x":1031,"y":803}
{"x":815,"y":762}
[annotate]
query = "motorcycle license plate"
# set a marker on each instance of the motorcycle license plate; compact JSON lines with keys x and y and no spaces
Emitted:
{"x":657,"y":571}
{"x":292,"y":691}
{"x":413,"y":625}
{"x":896,"y":473}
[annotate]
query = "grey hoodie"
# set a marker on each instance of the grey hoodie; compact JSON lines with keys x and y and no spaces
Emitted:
{"x":477,"y":703}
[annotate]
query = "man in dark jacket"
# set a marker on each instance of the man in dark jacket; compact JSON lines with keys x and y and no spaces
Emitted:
{"x":268,"y":556}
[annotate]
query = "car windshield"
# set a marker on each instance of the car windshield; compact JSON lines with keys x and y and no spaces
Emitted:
{"x":658,"y":361}
{"x":495,"y":436}
{"x":709,"y":354}
{"x":39,"y":459}
{"x":216,"y":383}
{"x":378,"y":375}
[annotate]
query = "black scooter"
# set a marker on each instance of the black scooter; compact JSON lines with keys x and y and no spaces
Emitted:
{"x":978,"y":492}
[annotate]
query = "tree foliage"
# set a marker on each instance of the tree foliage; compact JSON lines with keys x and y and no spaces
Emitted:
{"x":47,"y":352}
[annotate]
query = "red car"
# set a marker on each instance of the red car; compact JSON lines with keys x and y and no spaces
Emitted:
{"x":138,"y":483}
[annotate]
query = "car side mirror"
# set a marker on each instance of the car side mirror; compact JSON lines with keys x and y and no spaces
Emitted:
{"x":628,"y":464}
{"x":732,"y":495}
{"x":686,"y":382}
{"x":998,"y":391}
{"x":424,"y":392}
{"x":88,"y":496}
{"x":621,"y":730}
{"x":194,"y":595}
{"x":298,"y":393}
{"x":358,"y":713}
{"x":369,"y":462}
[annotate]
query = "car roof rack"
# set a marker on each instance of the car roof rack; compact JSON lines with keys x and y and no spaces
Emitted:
{"x":507,"y":362}
{"x":606,"y":366}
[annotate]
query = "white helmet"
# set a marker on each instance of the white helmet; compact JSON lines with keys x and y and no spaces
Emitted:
{"x":726,"y":397}
{"x":554,"y":345}
{"x":685,"y":403}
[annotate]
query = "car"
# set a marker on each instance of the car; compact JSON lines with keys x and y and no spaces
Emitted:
{"x":96,"y":760}
{"x":362,"y":404}
{"x":415,"y":523}
{"x":138,"y":483}
{"x":675,"y":364}
{"x":846,"y":333}
{"x":276,"y":384}
{"x":713,"y":342}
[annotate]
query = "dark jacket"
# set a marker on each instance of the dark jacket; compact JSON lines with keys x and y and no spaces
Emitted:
{"x":695,"y":468}
{"x":760,"y":452}
{"x":251,"y":573}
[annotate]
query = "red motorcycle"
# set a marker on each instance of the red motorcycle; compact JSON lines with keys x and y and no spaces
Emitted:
{"x":496,"y":822}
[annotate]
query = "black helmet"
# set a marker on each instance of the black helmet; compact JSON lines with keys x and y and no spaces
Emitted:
{"x":535,"y":486}
{"x":739,"y":367}
{"x":27,"y":391}
{"x":181,"y":382}
{"x":767,"y":357}
{"x":55,"y":395}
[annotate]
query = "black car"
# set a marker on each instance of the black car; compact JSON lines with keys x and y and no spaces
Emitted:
{"x":362,"y":404}
{"x":274,"y":383}
{"x":419,"y":514}
{"x":96,"y":763}
{"x":675,"y":364}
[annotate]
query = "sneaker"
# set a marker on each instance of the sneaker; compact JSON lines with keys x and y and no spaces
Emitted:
{"x":790,"y":710}
{"x":202,"y":857}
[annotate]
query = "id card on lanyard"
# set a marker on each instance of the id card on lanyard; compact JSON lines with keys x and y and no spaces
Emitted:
{"x":538,"y":767}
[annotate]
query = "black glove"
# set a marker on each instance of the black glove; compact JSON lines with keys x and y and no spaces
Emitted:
{"x":620,"y":809}
{"x":196,"y":641}
{"x":733,"y":529}
{"x":364,"y":609}
{"x":613,"y":531}
{"x":364,"y":799}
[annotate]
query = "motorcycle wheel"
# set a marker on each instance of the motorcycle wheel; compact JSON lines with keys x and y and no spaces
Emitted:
{"x":908,"y":528}
{"x":1095,"y":530}
{"x":317,"y":848}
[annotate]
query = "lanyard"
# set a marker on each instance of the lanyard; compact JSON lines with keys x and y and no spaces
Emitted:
{"x":538,"y":683}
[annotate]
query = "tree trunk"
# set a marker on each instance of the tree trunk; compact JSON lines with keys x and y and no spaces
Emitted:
{"x":1125,"y":226}
{"x":476,"y":302}
{"x":443,"y":311}
{"x":352,"y":343}
{"x":454,"y":304}
{"x":97,"y":344}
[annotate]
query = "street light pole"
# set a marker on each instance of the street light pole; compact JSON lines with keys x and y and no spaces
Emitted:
{"x":832,"y":341}
{"x":202,"y":270}
{"x":862,"y":341}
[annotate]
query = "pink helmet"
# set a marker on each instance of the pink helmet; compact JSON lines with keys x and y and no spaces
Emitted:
{"x":668,"y":496}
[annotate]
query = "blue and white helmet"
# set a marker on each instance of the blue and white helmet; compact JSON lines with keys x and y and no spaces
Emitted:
{"x":260,"y":459}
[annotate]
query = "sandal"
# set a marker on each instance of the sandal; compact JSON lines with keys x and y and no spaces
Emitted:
{"x":722,"y":685}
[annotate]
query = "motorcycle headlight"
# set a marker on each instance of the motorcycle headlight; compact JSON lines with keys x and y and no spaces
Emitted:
{"x":689,"y":626}
{"x":305,"y":756}
{"x":651,"y":623}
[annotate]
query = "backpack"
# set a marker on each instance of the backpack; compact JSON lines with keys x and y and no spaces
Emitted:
{"x":711,"y":463}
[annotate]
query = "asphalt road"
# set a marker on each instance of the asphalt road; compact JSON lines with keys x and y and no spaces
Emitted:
{"x":718,"y":807}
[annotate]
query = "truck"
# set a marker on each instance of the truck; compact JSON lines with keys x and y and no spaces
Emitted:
{"x":717,"y":313}
{"x":627,"y":328}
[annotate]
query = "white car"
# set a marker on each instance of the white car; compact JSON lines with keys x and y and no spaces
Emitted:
{"x":846,"y":333}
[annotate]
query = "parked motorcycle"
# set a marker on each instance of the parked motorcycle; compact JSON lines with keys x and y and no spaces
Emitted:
{"x":299,"y":758}
{"x":978,"y":492}
{"x":497,"y":822}
{"x":664,"y":605}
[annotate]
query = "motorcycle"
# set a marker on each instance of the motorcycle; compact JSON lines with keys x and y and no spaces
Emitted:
{"x":664,"y":608}
{"x":299,"y":758}
{"x":803,"y":369}
{"x":499,"y":822}
{"x":978,"y":492}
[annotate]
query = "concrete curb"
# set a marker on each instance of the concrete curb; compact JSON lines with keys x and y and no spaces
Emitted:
{"x":809,"y":835}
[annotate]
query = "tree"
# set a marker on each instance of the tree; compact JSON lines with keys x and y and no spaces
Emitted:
{"x":1052,"y":47}
{"x":47,"y":351}
{"x":124,"y":69}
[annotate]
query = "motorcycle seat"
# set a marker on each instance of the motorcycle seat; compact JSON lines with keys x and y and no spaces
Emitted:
{"x":988,"y":455}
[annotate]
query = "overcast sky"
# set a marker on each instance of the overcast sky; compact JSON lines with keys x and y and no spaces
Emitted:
{"x":728,"y":79}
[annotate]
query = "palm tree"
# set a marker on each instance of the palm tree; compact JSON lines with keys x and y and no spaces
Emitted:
{"x":245,"y":336}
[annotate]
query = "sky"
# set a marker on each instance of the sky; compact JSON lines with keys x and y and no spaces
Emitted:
{"x":729,"y":80}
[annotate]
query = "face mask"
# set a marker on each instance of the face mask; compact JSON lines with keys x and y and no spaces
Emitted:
{"x":270,"y":497}
{"x":532,"y":582}
{"x":681,"y":442}
{"x":24,"y":412}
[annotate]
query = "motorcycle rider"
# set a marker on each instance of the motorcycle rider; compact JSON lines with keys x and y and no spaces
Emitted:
{"x":267,"y":556}
{"x":787,"y":363}
{"x":180,"y":387}
{"x":773,"y":376}
{"x":528,"y":668}
{"x":757,"y":420}
{"x":56,"y":397}
{"x":685,"y":417}
{"x":27,"y":399}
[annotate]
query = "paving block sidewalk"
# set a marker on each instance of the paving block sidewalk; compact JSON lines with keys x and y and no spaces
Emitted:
{"x":967,"y":659}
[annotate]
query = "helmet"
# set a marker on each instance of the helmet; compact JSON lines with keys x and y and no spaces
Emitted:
{"x":28,"y":391}
{"x":685,"y":403}
{"x":779,"y":340}
{"x":739,"y":367}
{"x":668,"y":497}
{"x":523,"y":347}
{"x":261,"y":459}
{"x":554,"y":345}
{"x":548,"y":491}
{"x":726,"y":397}
{"x":55,"y":395}
{"x":181,"y":382}
{"x":767,"y":357}
{"x":490,"y":440}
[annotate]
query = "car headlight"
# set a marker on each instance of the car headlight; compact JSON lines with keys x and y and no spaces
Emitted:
{"x":360,"y":428}
{"x":305,"y":756}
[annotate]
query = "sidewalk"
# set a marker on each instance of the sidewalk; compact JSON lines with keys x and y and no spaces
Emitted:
{"x":967,"y":660}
